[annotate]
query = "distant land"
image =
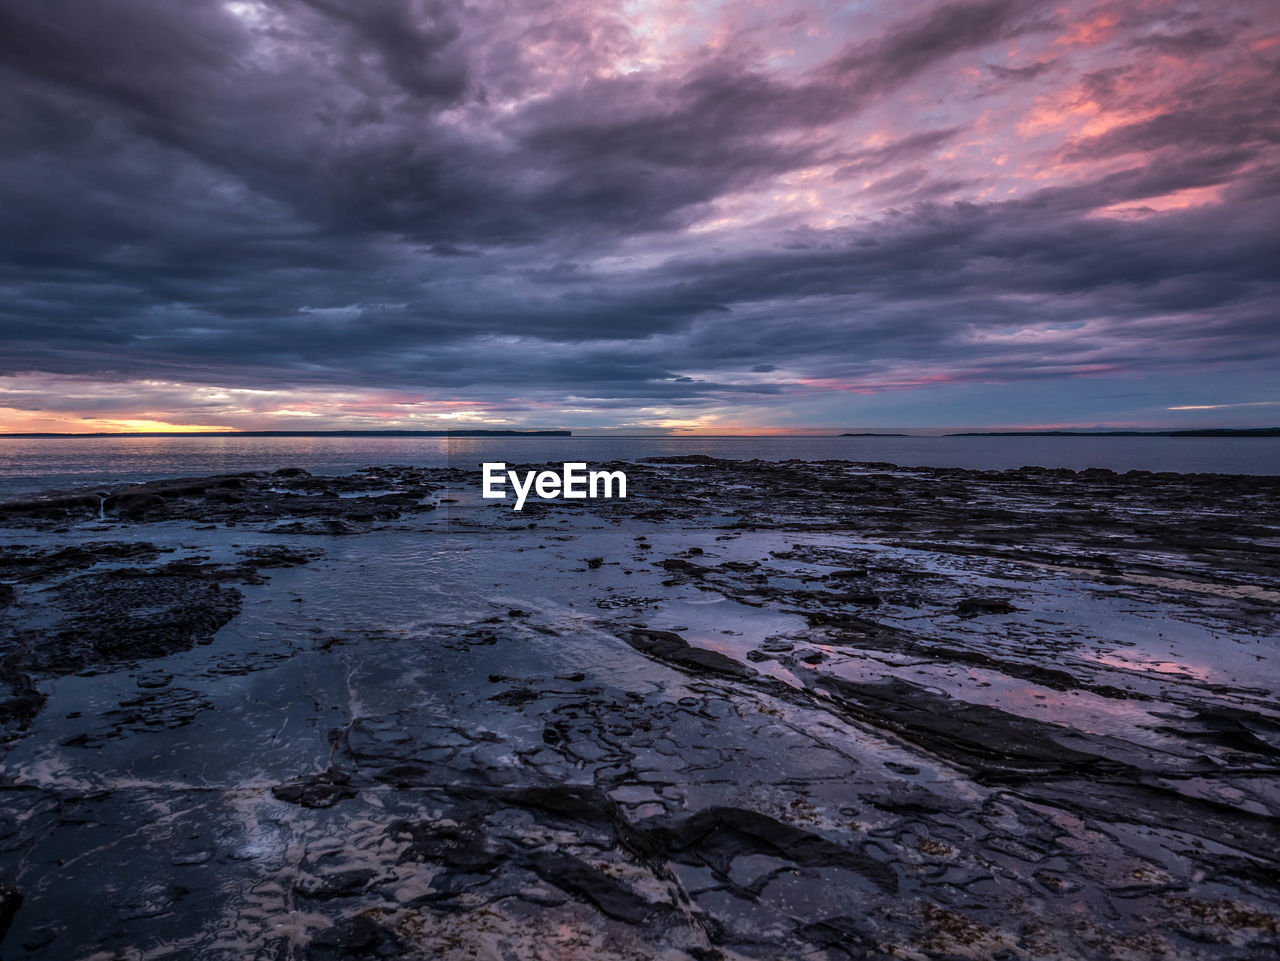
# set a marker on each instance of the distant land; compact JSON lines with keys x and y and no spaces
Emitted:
{"x":1203,"y":432}
{"x":870,"y":434}
{"x":311,"y":433}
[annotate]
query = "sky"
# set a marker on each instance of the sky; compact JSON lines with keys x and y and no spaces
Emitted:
{"x":639,"y":215}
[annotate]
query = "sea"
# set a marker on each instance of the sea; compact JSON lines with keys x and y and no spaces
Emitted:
{"x":31,"y":465}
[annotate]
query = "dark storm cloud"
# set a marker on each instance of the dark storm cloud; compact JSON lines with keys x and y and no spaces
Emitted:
{"x":1029,"y":72}
{"x":940,"y":32}
{"x":413,"y":41}
{"x":1189,"y":43}
{"x":910,"y":148}
{"x":307,"y":122}
{"x":497,"y":203}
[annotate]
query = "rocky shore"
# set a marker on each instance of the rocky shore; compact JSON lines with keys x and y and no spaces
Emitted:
{"x":754,"y":710}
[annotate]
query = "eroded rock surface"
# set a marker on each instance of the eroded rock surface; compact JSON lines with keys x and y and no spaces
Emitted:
{"x":755,"y":710}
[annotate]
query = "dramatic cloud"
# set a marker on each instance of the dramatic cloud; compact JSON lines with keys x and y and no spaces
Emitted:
{"x":335,"y":213}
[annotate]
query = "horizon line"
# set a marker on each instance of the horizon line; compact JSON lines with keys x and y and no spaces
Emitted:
{"x":920,"y":432}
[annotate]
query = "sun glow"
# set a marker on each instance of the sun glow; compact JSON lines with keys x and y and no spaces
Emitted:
{"x":95,"y":425}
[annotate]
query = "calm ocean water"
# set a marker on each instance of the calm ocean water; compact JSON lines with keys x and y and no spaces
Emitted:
{"x":53,"y":463}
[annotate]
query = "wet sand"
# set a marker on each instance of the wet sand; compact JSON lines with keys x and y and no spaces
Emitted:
{"x":756,"y":710}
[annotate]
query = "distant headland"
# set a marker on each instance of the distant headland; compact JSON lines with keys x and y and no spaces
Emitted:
{"x":309,"y":433}
{"x":1198,"y":432}
{"x":1202,"y":432}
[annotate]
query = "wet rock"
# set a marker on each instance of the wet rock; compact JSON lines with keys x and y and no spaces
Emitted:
{"x":673,"y":649}
{"x":516,"y":697}
{"x":1231,"y":728}
{"x":21,"y":708}
{"x":974,"y":606}
{"x":357,"y":937}
{"x":279,"y":555}
{"x":26,"y":564}
{"x":841,"y":621}
{"x":1056,"y":883}
{"x":163,"y":709}
{"x":680,"y":566}
{"x":10,"y":901}
{"x":587,"y":806}
{"x":129,"y":614}
{"x":135,"y":505}
{"x":321,"y":790}
{"x":847,"y":574}
{"x":862,"y":600}
{"x":98,"y":620}
{"x":462,"y":847}
{"x":53,"y":507}
{"x":606,"y":894}
{"x":329,"y":528}
{"x":684,"y":459}
{"x":849,"y":936}
{"x":992,"y":742}
{"x":1222,"y":921}
{"x":718,"y":835}
{"x":157,"y":898}
{"x":339,"y":884}
{"x":785,"y":815}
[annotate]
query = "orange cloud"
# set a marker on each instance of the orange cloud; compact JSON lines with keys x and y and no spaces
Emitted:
{"x":1087,"y":33}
